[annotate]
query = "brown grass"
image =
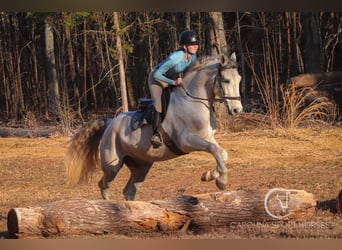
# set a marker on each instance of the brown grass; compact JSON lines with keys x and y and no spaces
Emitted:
{"x":286,"y":106}
{"x":297,"y":111}
{"x":32,"y":172}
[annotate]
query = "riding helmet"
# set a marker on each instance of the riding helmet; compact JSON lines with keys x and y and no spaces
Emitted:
{"x":188,"y":37}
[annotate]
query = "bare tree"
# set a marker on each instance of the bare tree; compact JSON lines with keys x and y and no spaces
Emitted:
{"x":121,"y":63}
{"x":311,"y":46}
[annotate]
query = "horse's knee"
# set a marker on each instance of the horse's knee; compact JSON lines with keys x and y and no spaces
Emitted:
{"x":218,"y":151}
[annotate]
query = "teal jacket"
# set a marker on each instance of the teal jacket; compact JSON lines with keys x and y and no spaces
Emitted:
{"x":169,"y":69}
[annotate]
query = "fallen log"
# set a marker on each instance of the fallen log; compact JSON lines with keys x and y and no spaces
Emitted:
{"x":312,"y":79}
{"x":198,"y":213}
{"x":28,"y":132}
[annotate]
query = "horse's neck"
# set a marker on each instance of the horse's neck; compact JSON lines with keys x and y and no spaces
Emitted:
{"x":192,"y":97}
{"x":197,"y":90}
{"x":190,"y":114}
{"x":200,"y":84}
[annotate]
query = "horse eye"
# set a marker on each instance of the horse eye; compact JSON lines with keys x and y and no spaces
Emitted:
{"x":226,"y":81}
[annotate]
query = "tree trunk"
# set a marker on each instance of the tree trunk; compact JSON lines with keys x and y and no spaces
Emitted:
{"x":199,"y":213}
{"x":85,"y":50}
{"x":187,"y":21}
{"x":219,"y":32}
{"x":70,"y":60}
{"x":51,"y":69}
{"x":245,"y":88}
{"x":311,"y":43}
{"x":121,"y":63}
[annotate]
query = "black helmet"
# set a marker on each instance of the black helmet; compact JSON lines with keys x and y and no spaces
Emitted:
{"x":188,"y":37}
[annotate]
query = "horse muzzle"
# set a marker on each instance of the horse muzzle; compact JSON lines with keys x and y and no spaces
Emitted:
{"x":234,"y":105}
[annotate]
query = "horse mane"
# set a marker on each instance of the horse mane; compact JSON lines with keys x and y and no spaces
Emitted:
{"x":205,"y":61}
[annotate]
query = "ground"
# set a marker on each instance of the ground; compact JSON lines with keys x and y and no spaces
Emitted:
{"x":32,"y":172}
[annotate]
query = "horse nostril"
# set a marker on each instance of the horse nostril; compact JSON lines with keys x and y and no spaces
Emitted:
{"x":236,"y":111}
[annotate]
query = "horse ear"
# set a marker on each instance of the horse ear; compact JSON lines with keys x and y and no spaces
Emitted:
{"x":223,"y":60}
{"x":233,"y":57}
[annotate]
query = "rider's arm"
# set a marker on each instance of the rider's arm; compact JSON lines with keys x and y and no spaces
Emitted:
{"x":160,"y":73}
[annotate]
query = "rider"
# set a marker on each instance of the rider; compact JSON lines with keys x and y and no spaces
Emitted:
{"x":168,"y":73}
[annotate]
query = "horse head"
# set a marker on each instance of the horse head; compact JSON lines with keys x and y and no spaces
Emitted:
{"x":228,"y":84}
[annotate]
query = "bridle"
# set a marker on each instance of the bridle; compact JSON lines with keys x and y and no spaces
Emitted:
{"x":217,"y":80}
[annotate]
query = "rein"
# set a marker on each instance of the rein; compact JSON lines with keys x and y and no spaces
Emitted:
{"x":224,"y":97}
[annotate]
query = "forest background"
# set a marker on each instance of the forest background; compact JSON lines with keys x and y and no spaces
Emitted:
{"x":67,"y":67}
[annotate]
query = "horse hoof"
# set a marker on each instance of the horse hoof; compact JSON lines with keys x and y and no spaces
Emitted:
{"x":104,"y":194}
{"x":104,"y":191}
{"x":206,"y":176}
{"x":221,"y":183}
{"x":209,"y":175}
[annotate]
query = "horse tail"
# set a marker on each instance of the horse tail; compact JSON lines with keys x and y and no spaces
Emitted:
{"x":82,"y":157}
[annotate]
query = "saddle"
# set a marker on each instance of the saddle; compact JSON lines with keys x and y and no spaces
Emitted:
{"x":143,"y":115}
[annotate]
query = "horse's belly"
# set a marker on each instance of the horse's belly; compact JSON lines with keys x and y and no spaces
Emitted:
{"x":152,"y":154}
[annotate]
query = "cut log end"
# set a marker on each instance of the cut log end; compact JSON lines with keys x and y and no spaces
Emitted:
{"x":339,"y":203}
{"x":12,"y":224}
{"x":24,"y":222}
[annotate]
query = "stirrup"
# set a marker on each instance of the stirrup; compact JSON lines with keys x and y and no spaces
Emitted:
{"x":156,"y":140}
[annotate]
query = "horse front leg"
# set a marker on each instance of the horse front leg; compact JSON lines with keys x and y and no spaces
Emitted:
{"x":220,"y":173}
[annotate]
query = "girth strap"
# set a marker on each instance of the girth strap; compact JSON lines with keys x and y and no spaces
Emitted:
{"x":169,"y":142}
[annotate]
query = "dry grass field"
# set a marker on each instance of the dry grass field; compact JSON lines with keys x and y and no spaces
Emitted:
{"x":32,"y":172}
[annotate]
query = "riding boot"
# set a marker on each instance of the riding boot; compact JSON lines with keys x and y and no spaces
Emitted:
{"x":156,"y":139}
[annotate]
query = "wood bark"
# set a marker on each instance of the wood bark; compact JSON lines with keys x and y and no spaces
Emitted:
{"x":201,"y":212}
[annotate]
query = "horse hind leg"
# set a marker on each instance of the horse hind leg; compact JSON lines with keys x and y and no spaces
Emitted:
{"x":111,"y":163}
{"x":138,"y":175}
{"x":109,"y":174}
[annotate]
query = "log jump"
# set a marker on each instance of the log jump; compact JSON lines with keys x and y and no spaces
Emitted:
{"x":199,"y":213}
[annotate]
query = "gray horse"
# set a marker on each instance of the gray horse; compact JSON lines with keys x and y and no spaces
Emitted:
{"x":188,"y":126}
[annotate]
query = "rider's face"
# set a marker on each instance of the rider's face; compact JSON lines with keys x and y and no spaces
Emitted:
{"x":192,"y":49}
